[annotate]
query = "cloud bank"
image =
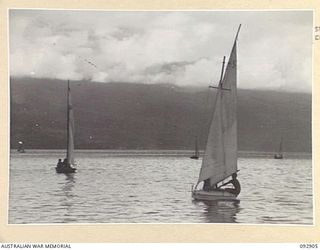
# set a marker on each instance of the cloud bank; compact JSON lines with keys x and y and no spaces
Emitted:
{"x":183,"y":48}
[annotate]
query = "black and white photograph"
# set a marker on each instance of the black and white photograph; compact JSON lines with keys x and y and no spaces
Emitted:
{"x":160,"y":116}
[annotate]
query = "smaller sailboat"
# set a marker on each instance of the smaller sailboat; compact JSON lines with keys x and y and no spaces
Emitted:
{"x":279,"y":155}
{"x":196,"y":150}
{"x":220,"y":157}
{"x":66,"y":166}
{"x":20,"y":147}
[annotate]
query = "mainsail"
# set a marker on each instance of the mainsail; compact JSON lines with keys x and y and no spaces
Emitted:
{"x":279,"y":155}
{"x":196,"y":150}
{"x":220,"y":157}
{"x":70,"y":120}
{"x":280,"y":146}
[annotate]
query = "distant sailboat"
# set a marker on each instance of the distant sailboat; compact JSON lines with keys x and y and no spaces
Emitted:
{"x":220,"y":157}
{"x":279,"y":155}
{"x":20,"y":147}
{"x":196,"y":150}
{"x":67,"y":165}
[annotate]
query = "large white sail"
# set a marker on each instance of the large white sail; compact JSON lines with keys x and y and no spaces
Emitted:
{"x":70,"y":152}
{"x":220,"y":157}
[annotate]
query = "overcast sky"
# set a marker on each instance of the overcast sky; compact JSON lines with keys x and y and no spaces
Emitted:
{"x":185,"y":48}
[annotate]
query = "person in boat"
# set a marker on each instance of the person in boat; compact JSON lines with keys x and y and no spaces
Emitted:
{"x":236,"y":185}
{"x":207,"y":186}
{"x":59,"y":165}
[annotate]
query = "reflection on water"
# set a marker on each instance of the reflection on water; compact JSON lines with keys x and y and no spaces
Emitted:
{"x":65,"y":192}
{"x":116,"y":189}
{"x":219,"y":211}
{"x":69,"y":183}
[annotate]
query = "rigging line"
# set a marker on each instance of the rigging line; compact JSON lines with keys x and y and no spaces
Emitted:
{"x":204,"y":119}
{"x":215,"y":102}
{"x":211,"y":114}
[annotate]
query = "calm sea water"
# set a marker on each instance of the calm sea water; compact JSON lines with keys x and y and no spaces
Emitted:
{"x":154,"y":187}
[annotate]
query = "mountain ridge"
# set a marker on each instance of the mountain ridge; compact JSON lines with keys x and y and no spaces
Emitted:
{"x":151,"y":116}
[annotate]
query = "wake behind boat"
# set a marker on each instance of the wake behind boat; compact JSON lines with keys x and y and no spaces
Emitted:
{"x":66,"y":166}
{"x":220,"y":158}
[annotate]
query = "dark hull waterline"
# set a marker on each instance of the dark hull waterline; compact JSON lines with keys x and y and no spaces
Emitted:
{"x":65,"y":170}
{"x":202,"y":195}
{"x":278,"y":156}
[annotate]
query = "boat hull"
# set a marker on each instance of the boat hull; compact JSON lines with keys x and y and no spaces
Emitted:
{"x":65,"y":170}
{"x":278,"y":156}
{"x":212,"y":195}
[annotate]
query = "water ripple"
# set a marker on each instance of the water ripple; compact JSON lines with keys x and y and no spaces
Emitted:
{"x":154,"y":190}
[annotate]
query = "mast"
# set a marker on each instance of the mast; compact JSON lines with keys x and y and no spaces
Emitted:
{"x":68,"y":117}
{"x":218,"y":93}
{"x":280,"y":146}
{"x":220,"y":81}
{"x":236,"y":38}
{"x":221,"y":107}
{"x":196,"y":147}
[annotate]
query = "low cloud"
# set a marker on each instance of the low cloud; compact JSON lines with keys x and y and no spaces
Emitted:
{"x":183,"y":48}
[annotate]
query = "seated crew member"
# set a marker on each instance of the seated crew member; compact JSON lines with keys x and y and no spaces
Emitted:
{"x":59,"y":163}
{"x":236,"y":185}
{"x":206,"y":185}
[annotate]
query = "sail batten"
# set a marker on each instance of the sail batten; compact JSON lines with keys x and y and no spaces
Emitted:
{"x":220,"y":157}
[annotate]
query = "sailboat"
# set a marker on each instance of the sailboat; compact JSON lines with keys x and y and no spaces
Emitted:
{"x":196,"y":150}
{"x":67,"y":165}
{"x":279,"y":155}
{"x":20,"y":147}
{"x":220,"y":157}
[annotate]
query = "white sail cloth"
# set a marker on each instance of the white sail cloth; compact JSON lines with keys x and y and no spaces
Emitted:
{"x":220,"y":157}
{"x":70,"y":152}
